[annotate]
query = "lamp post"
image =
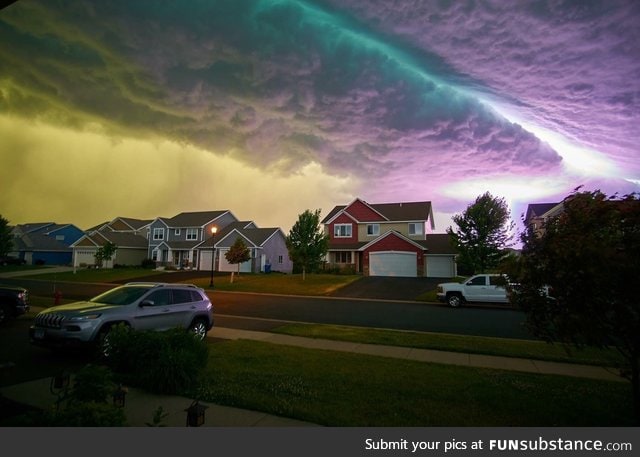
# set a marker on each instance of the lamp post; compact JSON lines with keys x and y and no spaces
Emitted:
{"x":214,"y":229}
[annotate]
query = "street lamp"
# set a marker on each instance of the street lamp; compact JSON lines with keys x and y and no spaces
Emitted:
{"x":214,"y":229}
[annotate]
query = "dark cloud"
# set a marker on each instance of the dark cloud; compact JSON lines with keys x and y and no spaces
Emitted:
{"x":405,"y":96}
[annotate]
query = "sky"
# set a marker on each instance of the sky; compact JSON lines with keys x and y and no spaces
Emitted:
{"x":267,"y":108}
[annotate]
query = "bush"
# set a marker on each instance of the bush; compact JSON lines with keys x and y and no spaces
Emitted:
{"x":167,"y":362}
{"x":148,"y":263}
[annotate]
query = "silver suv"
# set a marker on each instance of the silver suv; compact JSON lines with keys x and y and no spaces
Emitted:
{"x":138,"y":305}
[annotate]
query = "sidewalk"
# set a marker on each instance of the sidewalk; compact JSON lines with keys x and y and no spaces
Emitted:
{"x":140,"y":406}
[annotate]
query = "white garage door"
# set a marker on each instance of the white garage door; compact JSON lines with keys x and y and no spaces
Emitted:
{"x":393,"y":264}
{"x":245,"y":267}
{"x":440,"y":267}
{"x":85,"y":256}
{"x":205,"y":261}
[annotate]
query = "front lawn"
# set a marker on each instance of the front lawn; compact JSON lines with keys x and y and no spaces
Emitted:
{"x":278,"y":283}
{"x":98,"y":275}
{"x":527,"y":349}
{"x":354,"y":390}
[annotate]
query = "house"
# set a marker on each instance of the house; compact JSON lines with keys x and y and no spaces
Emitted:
{"x":131,"y":249}
{"x":173,"y":241}
{"x":267,"y":247}
{"x":387,"y":239}
{"x":538,"y":213}
{"x":45,"y":243}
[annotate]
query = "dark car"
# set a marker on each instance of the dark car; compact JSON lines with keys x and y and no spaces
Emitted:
{"x":14,"y":301}
{"x":9,"y":260}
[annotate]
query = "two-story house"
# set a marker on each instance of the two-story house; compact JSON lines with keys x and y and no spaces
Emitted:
{"x":173,"y":241}
{"x":267,"y":247}
{"x":538,"y":213}
{"x":128,"y":234}
{"x":387,"y":239}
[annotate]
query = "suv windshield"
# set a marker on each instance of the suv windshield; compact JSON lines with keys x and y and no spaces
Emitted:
{"x":121,"y":296}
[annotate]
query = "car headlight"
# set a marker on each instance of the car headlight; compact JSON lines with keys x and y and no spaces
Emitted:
{"x":85,"y":317}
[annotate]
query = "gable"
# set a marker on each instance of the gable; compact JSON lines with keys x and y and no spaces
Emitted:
{"x":362,"y":212}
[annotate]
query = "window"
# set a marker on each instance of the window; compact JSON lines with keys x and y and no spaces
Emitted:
{"x":176,"y":232}
{"x":478,"y":281}
{"x":59,"y":237}
{"x":192,"y":234}
{"x":280,"y":259}
{"x":343,"y":257}
{"x":160,"y":297}
{"x":182,"y":296}
{"x":154,"y":254}
{"x":415,"y":228}
{"x":342,"y":230}
{"x":158,"y":234}
{"x":373,"y":229}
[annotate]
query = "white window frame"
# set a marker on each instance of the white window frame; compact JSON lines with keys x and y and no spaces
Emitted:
{"x":158,"y":234}
{"x":176,"y":232}
{"x":416,"y":228}
{"x":192,"y":234}
{"x":348,"y":230}
{"x":373,"y":229}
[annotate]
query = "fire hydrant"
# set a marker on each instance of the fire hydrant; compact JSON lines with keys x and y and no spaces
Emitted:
{"x":57,"y":297}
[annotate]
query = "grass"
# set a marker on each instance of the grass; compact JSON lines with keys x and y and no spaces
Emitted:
{"x":457,"y":343}
{"x":278,"y":283}
{"x":98,"y":275}
{"x":344,"y":390}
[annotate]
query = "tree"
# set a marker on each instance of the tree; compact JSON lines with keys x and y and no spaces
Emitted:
{"x":307,"y":243}
{"x":483,"y":233}
{"x":237,"y":253}
{"x":6,"y":238}
{"x":589,"y":258}
{"x":105,"y":252}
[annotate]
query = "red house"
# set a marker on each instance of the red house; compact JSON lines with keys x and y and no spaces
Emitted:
{"x":388,"y":239}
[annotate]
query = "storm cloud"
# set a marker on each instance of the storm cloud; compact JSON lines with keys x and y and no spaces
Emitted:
{"x":406,"y":99}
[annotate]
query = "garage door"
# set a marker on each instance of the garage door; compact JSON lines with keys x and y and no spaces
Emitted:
{"x":245,"y":267}
{"x":205,"y":261}
{"x":393,"y":264}
{"x":85,"y":256}
{"x":440,"y":267}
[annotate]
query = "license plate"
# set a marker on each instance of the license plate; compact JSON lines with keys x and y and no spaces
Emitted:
{"x":38,"y":334}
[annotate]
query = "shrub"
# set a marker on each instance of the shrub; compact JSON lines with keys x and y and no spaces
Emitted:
{"x":167,"y":362}
{"x":148,"y":263}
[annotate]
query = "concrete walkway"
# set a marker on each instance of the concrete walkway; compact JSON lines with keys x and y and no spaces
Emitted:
{"x":140,"y":405}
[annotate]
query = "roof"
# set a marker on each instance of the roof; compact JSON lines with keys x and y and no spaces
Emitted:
{"x":538,"y":209}
{"x":196,"y":219}
{"x":122,"y":240}
{"x":40,"y":242}
{"x":439,"y":243}
{"x":393,"y":212}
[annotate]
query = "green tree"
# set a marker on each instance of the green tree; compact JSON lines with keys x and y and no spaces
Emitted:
{"x":237,"y":254}
{"x":588,"y":257}
{"x":307,"y":243}
{"x":105,"y":252}
{"x":483,"y":233}
{"x":6,"y":238}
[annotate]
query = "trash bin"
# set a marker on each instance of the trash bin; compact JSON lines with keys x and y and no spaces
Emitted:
{"x":267,"y":268}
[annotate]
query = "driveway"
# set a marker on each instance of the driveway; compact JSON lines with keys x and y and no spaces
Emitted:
{"x":388,"y":288}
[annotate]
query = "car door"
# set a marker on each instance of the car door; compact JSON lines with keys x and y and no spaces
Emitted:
{"x":496,"y":292}
{"x":154,"y":313}
{"x":182,"y":308}
{"x":476,"y":288}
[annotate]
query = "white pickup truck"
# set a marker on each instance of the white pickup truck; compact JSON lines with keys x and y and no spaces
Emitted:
{"x":484,"y":288}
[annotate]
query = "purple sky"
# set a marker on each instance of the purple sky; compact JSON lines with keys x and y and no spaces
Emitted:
{"x":267,"y":108}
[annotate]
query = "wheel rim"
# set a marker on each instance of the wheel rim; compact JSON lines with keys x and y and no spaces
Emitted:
{"x":105,"y":346}
{"x":454,"y":301}
{"x":199,"y":330}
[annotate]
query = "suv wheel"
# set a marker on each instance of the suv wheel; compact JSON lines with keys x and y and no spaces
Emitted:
{"x":4,"y":313}
{"x":199,"y":329}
